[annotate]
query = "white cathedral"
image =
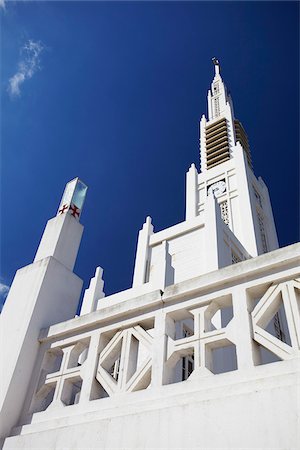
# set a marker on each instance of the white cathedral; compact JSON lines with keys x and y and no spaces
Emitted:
{"x":202,"y":352}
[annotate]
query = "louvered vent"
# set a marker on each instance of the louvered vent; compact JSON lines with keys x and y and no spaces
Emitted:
{"x":241,"y":136}
{"x":217,"y":145}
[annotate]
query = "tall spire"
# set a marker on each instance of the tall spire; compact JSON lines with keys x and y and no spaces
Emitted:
{"x":221,"y":131}
{"x":218,"y":98}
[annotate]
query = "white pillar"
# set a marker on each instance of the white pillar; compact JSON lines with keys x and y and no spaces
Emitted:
{"x":61,"y":240}
{"x":245,"y":232}
{"x":164,"y":327}
{"x":191,"y":192}
{"x":162,"y":275}
{"x":93,"y":293}
{"x":217,"y":253}
{"x":42,"y":294}
{"x":247,"y":351}
{"x":202,"y":132}
{"x":142,"y":253}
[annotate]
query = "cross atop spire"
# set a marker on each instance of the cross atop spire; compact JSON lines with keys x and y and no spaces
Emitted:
{"x":217,"y":65}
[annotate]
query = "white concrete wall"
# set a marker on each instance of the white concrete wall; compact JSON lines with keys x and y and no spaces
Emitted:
{"x":41,"y":294}
{"x":187,"y":256}
{"x":207,"y":410}
{"x":61,"y":239}
{"x":253,"y":414}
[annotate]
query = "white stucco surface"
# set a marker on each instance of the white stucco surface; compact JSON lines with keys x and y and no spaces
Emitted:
{"x":236,"y":413}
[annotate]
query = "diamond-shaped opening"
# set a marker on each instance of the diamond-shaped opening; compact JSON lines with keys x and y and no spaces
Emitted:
{"x":276,"y":323}
{"x":147,"y":324}
{"x":266,"y":356}
{"x":79,"y":353}
{"x":43,"y":398}
{"x":138,"y":358}
{"x":221,"y":357}
{"x":112,"y":362}
{"x":133,"y":359}
{"x":143,"y":356}
{"x":144,"y":382}
{"x":97,"y":391}
{"x":71,"y":391}
{"x":255,"y":294}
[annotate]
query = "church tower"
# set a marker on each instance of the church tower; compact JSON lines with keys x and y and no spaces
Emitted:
{"x":42,"y":293}
{"x":226,"y":170}
{"x":228,"y":211}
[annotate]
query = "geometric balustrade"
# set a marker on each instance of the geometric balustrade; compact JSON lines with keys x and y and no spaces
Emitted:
{"x":205,"y":340}
{"x":123,"y":363}
{"x":61,"y":376}
{"x":282,"y":295}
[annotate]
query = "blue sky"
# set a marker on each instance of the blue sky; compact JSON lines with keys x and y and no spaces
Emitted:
{"x":113,"y":92}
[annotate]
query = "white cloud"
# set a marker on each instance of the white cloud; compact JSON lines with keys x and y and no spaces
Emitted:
{"x":29,"y":63}
{"x":3,"y":294}
{"x":2,"y":4}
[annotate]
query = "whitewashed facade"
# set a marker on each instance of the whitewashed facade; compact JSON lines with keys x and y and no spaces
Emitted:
{"x":203,"y":352}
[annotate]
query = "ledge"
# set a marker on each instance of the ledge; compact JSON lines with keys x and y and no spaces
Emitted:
{"x":176,"y":230}
{"x":275,"y":261}
{"x":269,"y":377}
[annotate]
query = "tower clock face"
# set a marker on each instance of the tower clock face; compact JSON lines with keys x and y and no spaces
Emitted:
{"x":217,"y":188}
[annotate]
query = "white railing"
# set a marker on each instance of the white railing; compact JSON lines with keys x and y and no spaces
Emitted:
{"x":140,"y":344}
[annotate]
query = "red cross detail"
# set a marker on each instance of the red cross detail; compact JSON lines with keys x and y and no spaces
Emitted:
{"x":75,"y":211}
{"x":63,"y":209}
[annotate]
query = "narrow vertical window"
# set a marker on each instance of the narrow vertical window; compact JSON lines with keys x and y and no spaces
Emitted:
{"x":147,"y":271}
{"x":187,"y":361}
{"x":234,"y":258}
{"x":258,"y":197}
{"x":262,"y":233}
{"x":216,"y":88}
{"x":217,"y":107}
{"x":224,"y":212}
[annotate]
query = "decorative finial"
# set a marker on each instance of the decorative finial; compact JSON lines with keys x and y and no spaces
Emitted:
{"x":73,"y":198}
{"x":216,"y":64}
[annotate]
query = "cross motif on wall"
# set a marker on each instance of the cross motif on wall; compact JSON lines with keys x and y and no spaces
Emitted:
{"x":75,"y":211}
{"x":64,"y":380}
{"x":201,"y":342}
{"x":63,"y":209}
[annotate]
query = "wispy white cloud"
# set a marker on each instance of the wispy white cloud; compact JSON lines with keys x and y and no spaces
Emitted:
{"x":3,"y":294}
{"x":2,"y":4}
{"x":29,"y":63}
